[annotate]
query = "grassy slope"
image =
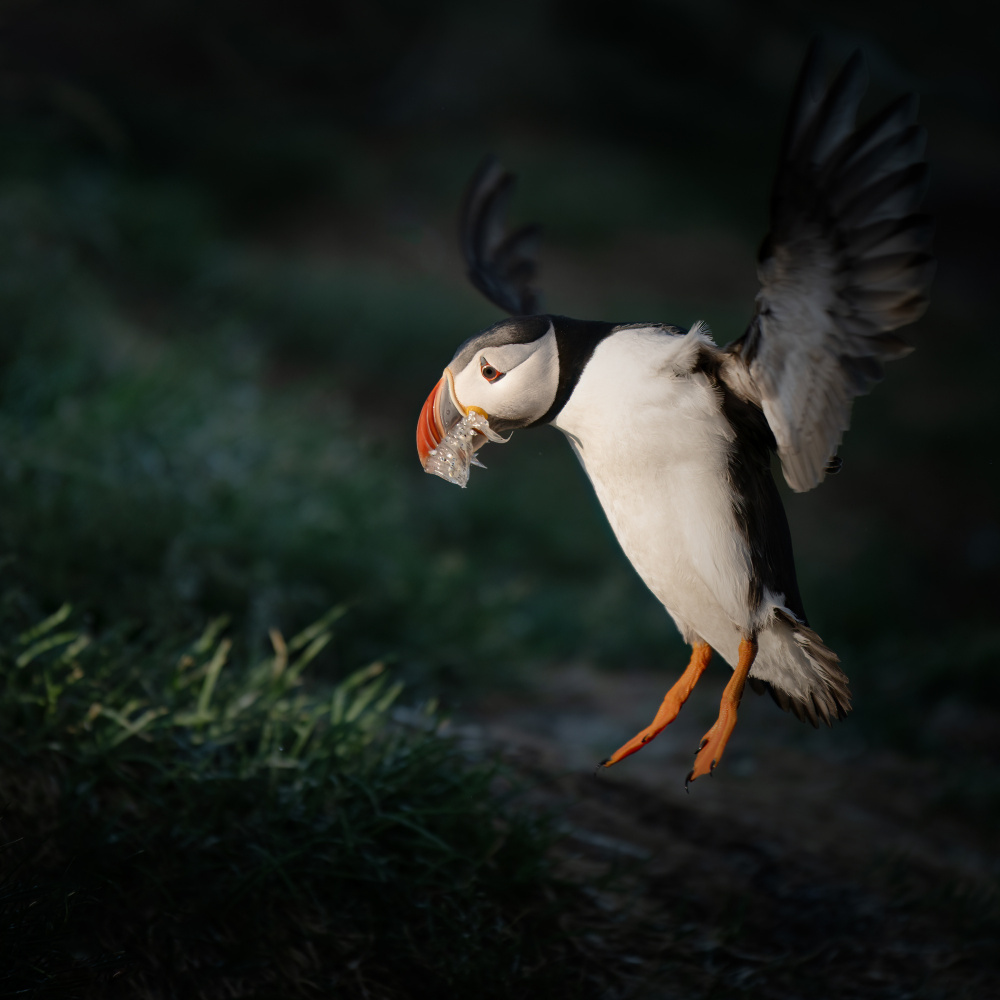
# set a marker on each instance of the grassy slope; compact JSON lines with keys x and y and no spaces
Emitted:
{"x":200,"y":826}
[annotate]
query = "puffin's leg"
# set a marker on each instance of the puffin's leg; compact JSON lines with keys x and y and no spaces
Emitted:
{"x":713,"y":743}
{"x":701,"y":653}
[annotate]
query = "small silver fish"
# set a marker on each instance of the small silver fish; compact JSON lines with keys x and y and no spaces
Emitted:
{"x":452,"y":458}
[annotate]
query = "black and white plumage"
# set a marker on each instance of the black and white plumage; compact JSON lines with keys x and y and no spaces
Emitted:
{"x":676,"y":434}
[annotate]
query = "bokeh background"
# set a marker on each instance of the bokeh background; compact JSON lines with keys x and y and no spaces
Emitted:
{"x":229,"y":277}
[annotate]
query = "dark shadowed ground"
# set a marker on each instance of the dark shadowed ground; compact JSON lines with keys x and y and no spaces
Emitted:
{"x":228,"y":279}
{"x":804,"y":859}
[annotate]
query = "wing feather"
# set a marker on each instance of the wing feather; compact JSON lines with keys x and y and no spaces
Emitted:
{"x":847,"y":261}
{"x":502,"y":266}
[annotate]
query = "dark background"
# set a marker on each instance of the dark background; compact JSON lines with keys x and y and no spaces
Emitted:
{"x":229,"y":277}
{"x":282,"y":180}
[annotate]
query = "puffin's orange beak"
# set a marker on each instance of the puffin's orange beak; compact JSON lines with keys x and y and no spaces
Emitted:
{"x":430,"y":430}
{"x":440,"y":413}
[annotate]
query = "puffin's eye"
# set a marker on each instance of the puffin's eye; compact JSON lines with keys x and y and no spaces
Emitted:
{"x":488,"y":372}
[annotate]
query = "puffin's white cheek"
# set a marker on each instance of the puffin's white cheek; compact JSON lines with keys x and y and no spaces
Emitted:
{"x":470,"y":389}
{"x":518,"y":398}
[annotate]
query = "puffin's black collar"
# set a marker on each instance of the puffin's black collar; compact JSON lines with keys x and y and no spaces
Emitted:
{"x":576,"y":340}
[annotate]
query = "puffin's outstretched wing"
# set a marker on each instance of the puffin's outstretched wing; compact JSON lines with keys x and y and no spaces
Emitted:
{"x":846,"y":261}
{"x":501,"y":266}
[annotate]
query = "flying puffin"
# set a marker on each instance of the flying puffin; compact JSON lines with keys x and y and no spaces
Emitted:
{"x":675,"y":433}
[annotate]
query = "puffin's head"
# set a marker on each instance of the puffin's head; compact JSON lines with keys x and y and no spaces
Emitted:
{"x":508,"y":374}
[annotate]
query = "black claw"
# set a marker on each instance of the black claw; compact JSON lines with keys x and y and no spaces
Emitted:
{"x":601,"y":763}
{"x":688,"y":780}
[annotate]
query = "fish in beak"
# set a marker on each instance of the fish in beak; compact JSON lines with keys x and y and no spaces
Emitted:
{"x":449,"y":434}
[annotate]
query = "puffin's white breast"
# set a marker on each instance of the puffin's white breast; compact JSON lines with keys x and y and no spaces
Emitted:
{"x":653,"y":440}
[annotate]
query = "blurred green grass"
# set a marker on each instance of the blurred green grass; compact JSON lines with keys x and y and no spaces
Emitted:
{"x":158,"y":469}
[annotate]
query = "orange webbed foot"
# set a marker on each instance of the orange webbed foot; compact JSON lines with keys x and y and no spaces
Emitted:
{"x":701,"y":653}
{"x":713,"y":743}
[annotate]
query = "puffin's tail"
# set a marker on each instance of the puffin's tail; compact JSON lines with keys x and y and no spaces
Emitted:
{"x":801,"y":674}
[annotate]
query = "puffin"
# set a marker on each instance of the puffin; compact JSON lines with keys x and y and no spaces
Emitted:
{"x":677,"y":434}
